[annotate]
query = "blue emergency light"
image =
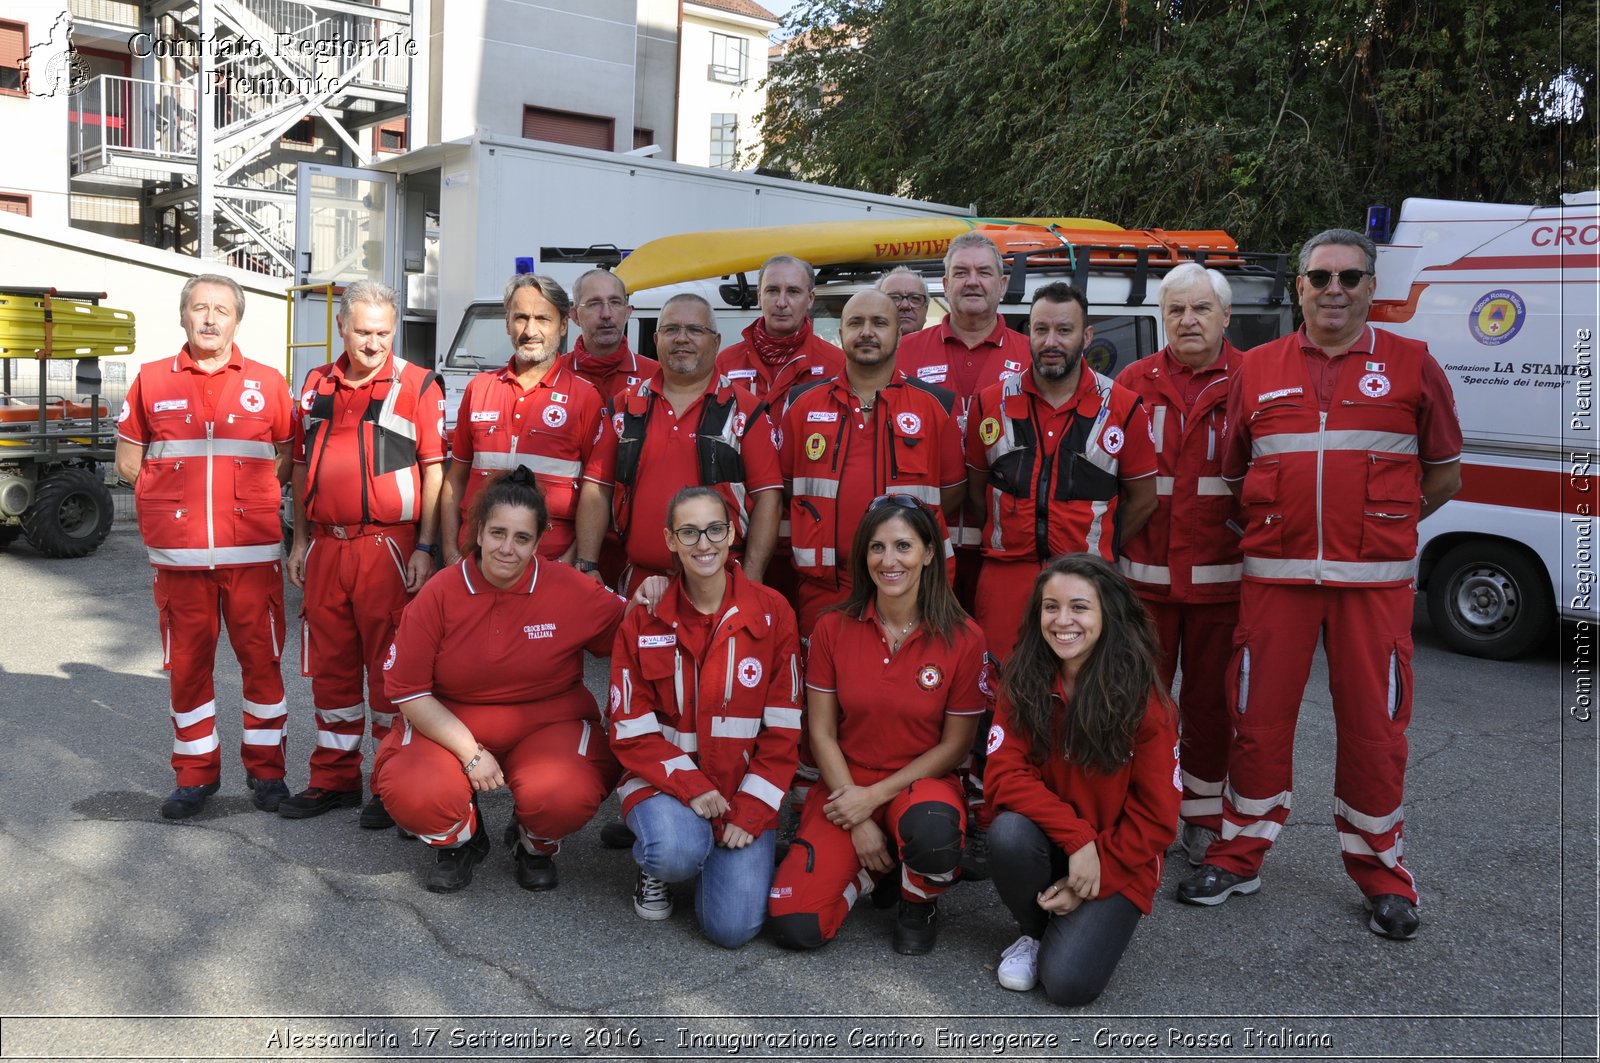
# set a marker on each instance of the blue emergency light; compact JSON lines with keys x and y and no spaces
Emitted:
{"x":525,"y":264}
{"x":1378,"y":224}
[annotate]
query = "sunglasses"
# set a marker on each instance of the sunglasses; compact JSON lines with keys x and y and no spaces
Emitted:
{"x":904,"y":501}
{"x":1348,"y":278}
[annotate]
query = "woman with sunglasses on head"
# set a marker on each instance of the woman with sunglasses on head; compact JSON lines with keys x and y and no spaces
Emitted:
{"x":487,"y":667}
{"x":705,"y":718}
{"x":1083,"y":778}
{"x":894,"y":690}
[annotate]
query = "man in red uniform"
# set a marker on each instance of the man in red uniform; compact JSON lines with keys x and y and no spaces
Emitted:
{"x":909,"y":292}
{"x":1184,"y":564}
{"x":686,"y":425}
{"x":204,"y":438}
{"x":601,"y":354}
{"x":1059,"y":460}
{"x":1343,"y":438}
{"x":779,"y":349}
{"x":535,"y":412}
{"x":848,"y":440}
{"x":369,"y":455}
{"x":971,"y":349}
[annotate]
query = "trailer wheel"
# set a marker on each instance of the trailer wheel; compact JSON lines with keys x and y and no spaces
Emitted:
{"x":1490,"y":600}
{"x":8,"y":534}
{"x":71,"y":514}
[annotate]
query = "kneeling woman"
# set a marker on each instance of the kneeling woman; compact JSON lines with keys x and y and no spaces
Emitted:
{"x":1082,"y":775}
{"x":487,"y":667}
{"x":893,"y":694}
{"x":705,"y":718}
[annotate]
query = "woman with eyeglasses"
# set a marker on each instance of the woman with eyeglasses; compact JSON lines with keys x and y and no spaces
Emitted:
{"x":487,"y":668}
{"x":705,"y":718}
{"x":894,"y":691}
{"x":1083,"y":778}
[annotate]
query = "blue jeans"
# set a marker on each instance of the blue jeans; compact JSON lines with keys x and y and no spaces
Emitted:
{"x":674,"y":844}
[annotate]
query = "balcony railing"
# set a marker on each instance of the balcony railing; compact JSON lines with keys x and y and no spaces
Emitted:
{"x":122,"y":122}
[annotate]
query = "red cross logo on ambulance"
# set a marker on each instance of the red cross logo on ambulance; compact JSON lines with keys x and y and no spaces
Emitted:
{"x":1374,"y":385}
{"x":749,"y":672}
{"x":930,"y":678}
{"x":909,"y":423}
{"x":252,"y":400}
{"x":555,"y":416}
{"x":1111,"y":440}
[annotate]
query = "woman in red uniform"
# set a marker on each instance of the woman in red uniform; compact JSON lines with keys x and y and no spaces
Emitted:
{"x":705,"y":718}
{"x":487,"y":668}
{"x":894,"y":689}
{"x":1083,"y":777}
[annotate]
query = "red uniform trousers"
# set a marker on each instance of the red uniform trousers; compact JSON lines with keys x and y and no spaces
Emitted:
{"x":810,"y":598}
{"x":969,"y":568}
{"x":354,"y":592}
{"x":1367,"y":635}
{"x":192,"y":604}
{"x":1003,"y":591}
{"x":1200,"y":636}
{"x":822,"y":876}
{"x":558,"y":774}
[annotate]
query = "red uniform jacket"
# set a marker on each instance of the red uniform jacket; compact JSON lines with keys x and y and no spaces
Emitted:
{"x":1131,"y":815}
{"x":725,"y":719}
{"x":817,"y":360}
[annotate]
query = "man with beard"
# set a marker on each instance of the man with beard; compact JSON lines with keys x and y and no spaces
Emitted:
{"x":686,"y":425}
{"x":1060,"y":460}
{"x":536,"y":412}
{"x":1185,"y":562}
{"x":846,"y":441}
{"x":601,"y":354}
{"x":909,"y":291}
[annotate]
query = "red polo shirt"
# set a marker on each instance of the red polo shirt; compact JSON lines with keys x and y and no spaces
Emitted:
{"x":619,"y":370}
{"x":935,"y":356}
{"x":553,"y":428}
{"x":466,"y":642}
{"x":892,"y":707}
{"x":669,"y":462}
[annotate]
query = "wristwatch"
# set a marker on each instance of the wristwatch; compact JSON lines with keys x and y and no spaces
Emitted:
{"x":585,"y":565}
{"x":426,"y":548}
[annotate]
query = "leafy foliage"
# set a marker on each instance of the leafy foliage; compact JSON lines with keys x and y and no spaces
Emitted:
{"x":1269,"y":118}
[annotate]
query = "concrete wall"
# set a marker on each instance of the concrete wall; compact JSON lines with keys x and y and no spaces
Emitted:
{"x":699,"y":96}
{"x":36,"y":126}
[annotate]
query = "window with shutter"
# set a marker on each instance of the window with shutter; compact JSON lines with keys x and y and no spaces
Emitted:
{"x":13,"y":50}
{"x":567,"y":127}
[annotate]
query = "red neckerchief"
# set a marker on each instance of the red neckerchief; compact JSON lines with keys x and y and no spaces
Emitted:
{"x":778,"y":350}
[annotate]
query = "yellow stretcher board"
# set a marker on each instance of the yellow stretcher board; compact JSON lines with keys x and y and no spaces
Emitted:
{"x":35,"y":326}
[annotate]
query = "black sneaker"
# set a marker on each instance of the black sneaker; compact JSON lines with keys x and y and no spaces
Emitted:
{"x":1211,"y":885}
{"x":975,"y":857}
{"x":916,"y":927}
{"x":266,"y":794}
{"x":453,"y":869}
{"x":1393,"y":916}
{"x":616,"y":835}
{"x":314,"y":801}
{"x":535,"y":871}
{"x":374,"y":816}
{"x":185,"y":801}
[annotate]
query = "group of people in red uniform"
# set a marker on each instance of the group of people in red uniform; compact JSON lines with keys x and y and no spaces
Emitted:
{"x":831,"y":566}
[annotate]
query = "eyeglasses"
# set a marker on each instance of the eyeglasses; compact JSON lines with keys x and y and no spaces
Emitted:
{"x":904,"y":501}
{"x":692,"y":331}
{"x":616,"y":303}
{"x":1348,"y":278}
{"x":689,"y":535}
{"x":908,"y":298}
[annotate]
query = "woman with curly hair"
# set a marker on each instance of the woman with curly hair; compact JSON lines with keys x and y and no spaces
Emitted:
{"x":1083,"y":777}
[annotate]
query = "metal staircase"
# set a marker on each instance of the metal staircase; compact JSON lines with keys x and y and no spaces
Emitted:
{"x":275,"y":64}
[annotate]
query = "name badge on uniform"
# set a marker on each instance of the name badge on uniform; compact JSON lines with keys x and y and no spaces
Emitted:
{"x":741,"y":374}
{"x":171,"y":404}
{"x":823,"y":415}
{"x":485,"y":415}
{"x":652,"y":642}
{"x":1281,"y":393}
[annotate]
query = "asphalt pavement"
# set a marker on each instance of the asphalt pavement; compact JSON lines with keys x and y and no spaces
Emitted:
{"x":241,"y":935}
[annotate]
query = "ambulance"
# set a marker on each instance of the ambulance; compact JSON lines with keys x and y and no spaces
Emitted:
{"x":1505,"y":297}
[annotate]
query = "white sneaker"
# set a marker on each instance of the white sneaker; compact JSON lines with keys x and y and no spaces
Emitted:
{"x":1195,"y":841}
{"x":1019,"y":964}
{"x":652,"y":898}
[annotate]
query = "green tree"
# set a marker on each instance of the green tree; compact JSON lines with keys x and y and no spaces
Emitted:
{"x":1269,"y":118}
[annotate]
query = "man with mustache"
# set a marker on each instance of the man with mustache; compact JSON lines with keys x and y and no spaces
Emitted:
{"x":1184,"y":563}
{"x":204,"y":439}
{"x":845,"y":441}
{"x":538,"y":413}
{"x":1342,"y":437}
{"x":1060,"y":460}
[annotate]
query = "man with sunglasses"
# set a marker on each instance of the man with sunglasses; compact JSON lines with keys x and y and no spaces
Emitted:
{"x":683,"y":425}
{"x":857,"y":436}
{"x":1343,"y":438}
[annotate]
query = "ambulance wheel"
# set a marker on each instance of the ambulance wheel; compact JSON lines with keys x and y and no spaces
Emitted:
{"x":1490,"y":600}
{"x":71,"y":514}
